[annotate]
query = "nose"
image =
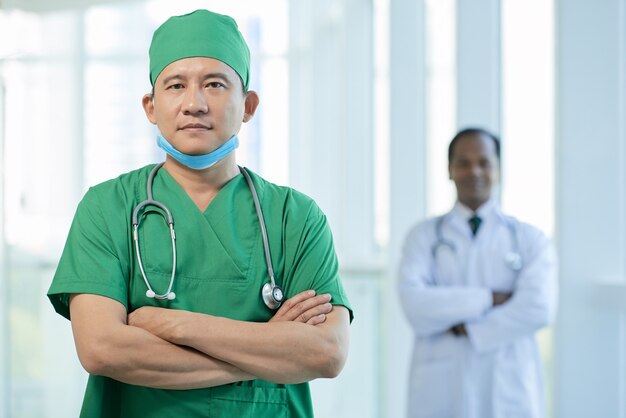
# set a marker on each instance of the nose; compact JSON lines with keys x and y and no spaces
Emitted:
{"x":194,"y":101}
{"x":476,"y":170}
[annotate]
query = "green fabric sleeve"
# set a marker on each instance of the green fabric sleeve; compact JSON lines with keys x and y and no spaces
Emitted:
{"x":314,"y":262}
{"x":91,"y":260}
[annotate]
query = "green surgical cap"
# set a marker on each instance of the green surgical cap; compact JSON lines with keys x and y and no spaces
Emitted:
{"x":199,"y":34}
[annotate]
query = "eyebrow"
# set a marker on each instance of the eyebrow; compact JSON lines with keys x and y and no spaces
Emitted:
{"x":221,"y":76}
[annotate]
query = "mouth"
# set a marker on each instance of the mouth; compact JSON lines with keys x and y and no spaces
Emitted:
{"x":474,"y":185}
{"x":195,"y":127}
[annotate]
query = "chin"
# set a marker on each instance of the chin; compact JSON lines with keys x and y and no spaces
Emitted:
{"x":196,"y":147}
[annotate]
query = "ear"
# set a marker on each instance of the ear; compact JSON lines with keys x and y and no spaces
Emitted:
{"x":148,"y":106}
{"x":252,"y":102}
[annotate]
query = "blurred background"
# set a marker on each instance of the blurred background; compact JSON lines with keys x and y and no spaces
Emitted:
{"x":359,"y":99}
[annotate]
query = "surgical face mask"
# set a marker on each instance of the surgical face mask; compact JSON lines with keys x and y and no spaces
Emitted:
{"x":199,"y":162}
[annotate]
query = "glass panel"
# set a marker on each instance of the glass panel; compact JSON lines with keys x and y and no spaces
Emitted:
{"x":117,"y":135}
{"x":381,"y":122}
{"x":528,"y":129}
{"x":528,"y":111}
{"x":440,"y":101}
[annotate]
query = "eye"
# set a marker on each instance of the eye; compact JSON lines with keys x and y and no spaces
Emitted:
{"x":215,"y":85}
{"x":176,"y":86}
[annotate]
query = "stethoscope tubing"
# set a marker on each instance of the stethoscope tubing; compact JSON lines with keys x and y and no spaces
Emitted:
{"x":513,"y":258}
{"x":271,"y":294}
{"x":259,"y":213}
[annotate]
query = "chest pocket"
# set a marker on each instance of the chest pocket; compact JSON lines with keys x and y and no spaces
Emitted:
{"x":248,"y":402}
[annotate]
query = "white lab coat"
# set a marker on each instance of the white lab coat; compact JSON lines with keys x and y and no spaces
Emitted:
{"x":496,"y":371}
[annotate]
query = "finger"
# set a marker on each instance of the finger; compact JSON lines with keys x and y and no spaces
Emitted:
{"x":291,"y":302}
{"x":302,"y":296}
{"x":316,"y":320}
{"x":314,"y":311}
{"x":296,"y":311}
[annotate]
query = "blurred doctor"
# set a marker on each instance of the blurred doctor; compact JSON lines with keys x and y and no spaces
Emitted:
{"x":476,"y":285}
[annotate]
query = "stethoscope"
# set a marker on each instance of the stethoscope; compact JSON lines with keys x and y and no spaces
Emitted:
{"x":271,"y":293}
{"x":513,"y":258}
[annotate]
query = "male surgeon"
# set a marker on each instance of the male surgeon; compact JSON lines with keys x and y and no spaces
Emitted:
{"x":172,"y":307}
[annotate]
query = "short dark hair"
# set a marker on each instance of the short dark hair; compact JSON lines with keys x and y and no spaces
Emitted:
{"x":473,"y":131}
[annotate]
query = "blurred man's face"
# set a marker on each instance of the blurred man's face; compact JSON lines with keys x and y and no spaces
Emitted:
{"x":474,"y":169}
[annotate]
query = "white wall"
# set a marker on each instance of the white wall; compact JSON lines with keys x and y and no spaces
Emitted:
{"x":478,"y":64}
{"x":407,"y":187}
{"x":4,"y":323}
{"x":591,"y":214}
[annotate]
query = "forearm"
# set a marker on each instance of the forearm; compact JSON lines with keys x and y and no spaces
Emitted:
{"x":107,"y":346}
{"x":280,"y":352}
{"x":499,"y":298}
{"x":435,"y":309}
{"x":532,"y":307}
{"x":518,"y":318}
{"x":137,"y":357}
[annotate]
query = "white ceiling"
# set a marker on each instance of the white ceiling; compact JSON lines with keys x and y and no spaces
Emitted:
{"x":52,"y":5}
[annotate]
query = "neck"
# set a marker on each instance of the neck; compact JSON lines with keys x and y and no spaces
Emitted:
{"x":473,"y":204}
{"x":202,"y":185}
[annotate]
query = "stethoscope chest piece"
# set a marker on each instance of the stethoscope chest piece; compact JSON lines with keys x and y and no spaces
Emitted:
{"x":514,"y":261}
{"x":272,"y":295}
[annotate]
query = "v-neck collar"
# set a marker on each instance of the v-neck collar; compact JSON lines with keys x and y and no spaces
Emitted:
{"x":228,"y":227}
{"x":229,"y":187}
{"x":489,"y":208}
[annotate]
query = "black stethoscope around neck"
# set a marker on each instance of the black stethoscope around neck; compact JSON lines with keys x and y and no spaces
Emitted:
{"x":271,"y":293}
{"x":513,"y":258}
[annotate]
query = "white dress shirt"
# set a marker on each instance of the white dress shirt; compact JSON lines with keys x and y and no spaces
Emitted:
{"x":447,"y":277}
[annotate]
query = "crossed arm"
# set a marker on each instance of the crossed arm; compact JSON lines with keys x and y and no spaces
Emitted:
{"x":172,"y":349}
{"x":490,"y":319}
{"x":499,"y":298}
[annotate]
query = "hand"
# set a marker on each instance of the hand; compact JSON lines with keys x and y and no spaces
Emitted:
{"x":459,"y":330}
{"x":305,"y":307}
{"x":157,"y":321}
{"x":500,"y":297}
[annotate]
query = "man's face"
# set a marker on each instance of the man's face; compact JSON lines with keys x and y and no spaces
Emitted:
{"x":198,"y":104}
{"x":474,"y":169}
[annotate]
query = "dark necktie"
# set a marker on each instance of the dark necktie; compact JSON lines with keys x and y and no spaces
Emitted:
{"x":474,"y":222}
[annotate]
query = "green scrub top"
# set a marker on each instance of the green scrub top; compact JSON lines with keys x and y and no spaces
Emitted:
{"x":220,"y":271}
